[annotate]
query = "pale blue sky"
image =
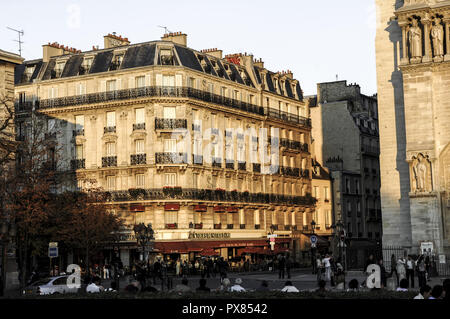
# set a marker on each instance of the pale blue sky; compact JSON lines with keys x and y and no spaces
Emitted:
{"x":315,"y":39}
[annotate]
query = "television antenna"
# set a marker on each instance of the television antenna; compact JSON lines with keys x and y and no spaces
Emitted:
{"x":165,"y":29}
{"x":19,"y":33}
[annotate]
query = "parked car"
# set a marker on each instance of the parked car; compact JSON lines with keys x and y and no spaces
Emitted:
{"x":50,"y":286}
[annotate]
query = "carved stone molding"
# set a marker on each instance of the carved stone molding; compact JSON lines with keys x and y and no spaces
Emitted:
{"x":421,"y":174}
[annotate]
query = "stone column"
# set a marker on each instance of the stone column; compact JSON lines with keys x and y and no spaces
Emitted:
{"x":428,"y":56}
{"x":404,"y":59}
{"x":293,"y":218}
{"x":286,"y":218}
{"x":447,"y":38}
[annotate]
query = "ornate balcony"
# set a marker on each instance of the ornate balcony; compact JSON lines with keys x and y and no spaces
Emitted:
{"x":229,"y":164}
{"x":77,"y":163}
{"x":217,"y":162}
{"x":290,"y":171}
{"x":171,"y":158}
{"x":274,"y":113}
{"x":197,"y":159}
{"x":170,"y":124}
{"x":139,"y":126}
{"x":109,"y":129}
{"x":138,"y":159}
{"x":109,"y":161}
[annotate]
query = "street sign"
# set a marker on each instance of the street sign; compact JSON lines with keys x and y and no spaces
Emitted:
{"x":52,"y":252}
{"x":53,"y":244}
{"x":313,"y":239}
{"x":442,"y":259}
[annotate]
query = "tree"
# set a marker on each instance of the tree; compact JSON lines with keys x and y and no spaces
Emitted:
{"x":89,"y":224}
{"x":7,"y":139}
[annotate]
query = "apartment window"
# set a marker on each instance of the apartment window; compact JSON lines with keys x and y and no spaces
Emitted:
{"x":349,"y":229}
{"x":110,"y":119}
{"x":110,"y":149}
{"x":328,"y":218}
{"x":111,"y":183}
{"x":347,"y":185}
{"x":197,"y":146}
{"x":80,"y":89}
{"x":52,"y":93}
{"x":235,"y":95}
{"x":358,"y":208}
{"x":171,"y":217}
{"x":79,"y":122}
{"x":195,"y":180}
{"x":59,"y":68}
{"x":79,"y":152}
{"x":170,"y":146}
{"x":251,"y":99}
{"x":168,"y":80}
{"x":87,"y":63}
{"x":211,"y":88}
{"x":170,"y":179}
{"x":316,"y":216}
{"x":110,"y":85}
{"x":223,"y":91}
{"x":140,"y":181}
{"x":357,"y":186}
{"x":140,"y":81}
{"x":191,"y":82}
{"x":170,"y":112}
{"x":326,"y":193}
{"x":140,"y":148}
{"x":140,"y":116}
{"x":316,"y":192}
{"x":349,"y":209}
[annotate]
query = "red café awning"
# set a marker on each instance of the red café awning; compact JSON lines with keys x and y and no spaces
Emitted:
{"x":184,"y":247}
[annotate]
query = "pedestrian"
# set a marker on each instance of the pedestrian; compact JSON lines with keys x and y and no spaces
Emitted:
{"x":410,"y":265}
{"x":401,"y":270}
{"x":437,"y":292}
{"x":353,"y":285}
{"x":156,"y":270}
{"x":383,"y":276}
{"x":183,"y":287}
{"x":394,"y":268}
{"x":281,"y":266}
{"x":327,"y":265}
{"x":289,"y":287}
{"x":202,"y":287}
{"x":178,"y":268}
{"x":223,"y":268}
{"x":289,"y":264}
{"x":319,"y":268}
{"x":425,"y":292}
{"x":333,"y":271}
{"x":421,"y":271}
{"x":185,"y":269}
{"x":224,"y":285}
{"x":428,"y":267}
{"x":210,"y":266}
{"x":237,"y":286}
{"x":196,"y":266}
{"x":264,"y":286}
{"x":403,"y":285}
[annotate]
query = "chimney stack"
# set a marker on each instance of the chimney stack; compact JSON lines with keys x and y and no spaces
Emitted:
{"x":214,"y":52}
{"x":259,"y":63}
{"x":113,"y":40}
{"x":55,"y":49}
{"x":176,"y":37}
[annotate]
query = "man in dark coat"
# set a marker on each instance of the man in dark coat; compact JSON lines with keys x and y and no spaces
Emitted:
{"x":281,"y":266}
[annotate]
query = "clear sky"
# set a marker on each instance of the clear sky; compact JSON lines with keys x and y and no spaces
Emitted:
{"x":316,"y":39}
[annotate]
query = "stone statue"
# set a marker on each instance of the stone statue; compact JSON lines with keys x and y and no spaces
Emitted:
{"x":415,"y":39}
{"x":420,"y":173}
{"x":437,"y":33}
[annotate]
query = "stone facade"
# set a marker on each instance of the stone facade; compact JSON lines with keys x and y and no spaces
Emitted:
{"x":346,"y":140}
{"x":413,"y":65}
{"x":135,"y":127}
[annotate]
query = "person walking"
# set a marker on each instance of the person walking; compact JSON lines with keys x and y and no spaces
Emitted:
{"x":394,"y":268}
{"x":383,"y":275}
{"x":319,"y":267}
{"x":178,"y":268}
{"x":428,"y":267}
{"x":401,"y":270}
{"x":410,"y":265}
{"x":421,"y":271}
{"x":327,"y":265}
{"x":289,"y":264}
{"x":281,"y":266}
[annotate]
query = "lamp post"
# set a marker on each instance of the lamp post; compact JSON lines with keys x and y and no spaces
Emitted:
{"x":145,"y":237}
{"x":7,"y":232}
{"x":313,"y":249}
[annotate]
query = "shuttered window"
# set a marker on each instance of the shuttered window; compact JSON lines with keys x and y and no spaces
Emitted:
{"x":140,"y":149}
{"x":170,"y":146}
{"x":140,"y":181}
{"x":110,"y":149}
{"x":79,"y":122}
{"x":111,"y":183}
{"x":140,"y":81}
{"x":170,"y":179}
{"x":171,"y":217}
{"x":140,"y":116}
{"x":110,"y":119}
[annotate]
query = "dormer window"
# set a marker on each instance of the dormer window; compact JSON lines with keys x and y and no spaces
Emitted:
{"x":85,"y":66}
{"x":166,"y":57}
{"x":26,"y":77}
{"x":116,"y":62}
{"x":58,"y":69}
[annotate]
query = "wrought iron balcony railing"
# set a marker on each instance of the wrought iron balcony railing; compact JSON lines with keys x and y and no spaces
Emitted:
{"x":197,"y":159}
{"x":214,"y":196}
{"x":290,"y":171}
{"x":77,"y":163}
{"x":256,"y":168}
{"x":171,"y":158}
{"x":242,"y":166}
{"x":229,"y":164}
{"x":196,"y":127}
{"x":109,"y":129}
{"x":217,"y":162}
{"x":79,"y":132}
{"x":170,"y":124}
{"x":109,"y":161}
{"x":179,"y":92}
{"x":138,"y":159}
{"x":138,"y":126}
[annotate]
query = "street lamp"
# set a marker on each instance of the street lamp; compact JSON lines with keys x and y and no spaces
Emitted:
{"x":144,"y":236}
{"x":7,"y":232}
{"x":340,"y":231}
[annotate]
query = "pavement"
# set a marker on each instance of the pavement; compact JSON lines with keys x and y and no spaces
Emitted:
{"x":303,"y":279}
